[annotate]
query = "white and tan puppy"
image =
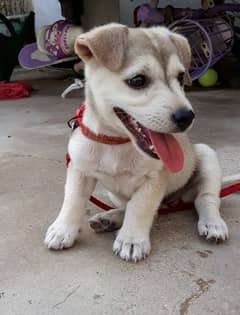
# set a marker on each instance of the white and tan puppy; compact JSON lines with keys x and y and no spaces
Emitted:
{"x":135,"y":80}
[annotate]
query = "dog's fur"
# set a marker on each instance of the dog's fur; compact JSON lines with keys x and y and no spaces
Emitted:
{"x":139,"y":183}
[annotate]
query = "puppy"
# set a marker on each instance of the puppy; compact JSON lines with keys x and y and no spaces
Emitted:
{"x":135,"y":90}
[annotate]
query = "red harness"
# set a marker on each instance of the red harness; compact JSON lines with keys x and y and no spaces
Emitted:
{"x":76,"y":122}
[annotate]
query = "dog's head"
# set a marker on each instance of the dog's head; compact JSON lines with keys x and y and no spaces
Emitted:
{"x":136,"y":78}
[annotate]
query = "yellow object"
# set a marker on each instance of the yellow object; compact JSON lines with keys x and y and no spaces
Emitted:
{"x":209,"y":78}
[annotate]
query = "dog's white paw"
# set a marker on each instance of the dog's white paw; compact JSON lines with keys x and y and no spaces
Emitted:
{"x":131,"y":248}
{"x":215,"y":229}
{"x":107,"y":221}
{"x":61,"y":235}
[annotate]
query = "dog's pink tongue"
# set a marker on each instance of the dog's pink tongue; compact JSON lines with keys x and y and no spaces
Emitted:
{"x":168,"y":150}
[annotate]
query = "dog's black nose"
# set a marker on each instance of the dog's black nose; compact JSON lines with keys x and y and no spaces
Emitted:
{"x":183,"y":118}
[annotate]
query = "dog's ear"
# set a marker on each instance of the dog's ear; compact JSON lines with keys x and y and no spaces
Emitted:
{"x":106,"y":44}
{"x":184,"y":52}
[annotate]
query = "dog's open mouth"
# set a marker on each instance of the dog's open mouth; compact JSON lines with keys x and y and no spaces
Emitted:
{"x":157,"y":145}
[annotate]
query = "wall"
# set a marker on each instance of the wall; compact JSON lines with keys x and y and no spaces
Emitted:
{"x":100,"y":12}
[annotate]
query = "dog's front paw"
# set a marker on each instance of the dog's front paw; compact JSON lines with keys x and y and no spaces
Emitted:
{"x":131,"y":248}
{"x":213,"y":229}
{"x":61,"y":235}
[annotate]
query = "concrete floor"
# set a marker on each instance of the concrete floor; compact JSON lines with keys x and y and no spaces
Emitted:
{"x":183,"y":275}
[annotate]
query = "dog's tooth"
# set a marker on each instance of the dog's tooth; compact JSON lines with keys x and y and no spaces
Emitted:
{"x":134,"y":123}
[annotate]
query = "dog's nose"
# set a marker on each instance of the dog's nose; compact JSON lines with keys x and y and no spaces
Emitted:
{"x":183,"y":118}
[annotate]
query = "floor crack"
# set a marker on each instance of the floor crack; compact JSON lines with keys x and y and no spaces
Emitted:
{"x":203,"y":287}
{"x":66,"y":297}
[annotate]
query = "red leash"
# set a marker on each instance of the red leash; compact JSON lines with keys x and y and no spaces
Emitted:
{"x":230,"y":190}
{"x":180,"y":206}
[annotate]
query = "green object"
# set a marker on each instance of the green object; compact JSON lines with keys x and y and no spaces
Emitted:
{"x":11,"y":45}
{"x":209,"y":78}
{"x":78,"y":75}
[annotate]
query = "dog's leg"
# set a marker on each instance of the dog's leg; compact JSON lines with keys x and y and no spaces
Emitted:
{"x":133,"y":240}
{"x":207,"y":201}
{"x":65,"y":229}
{"x":107,"y":221}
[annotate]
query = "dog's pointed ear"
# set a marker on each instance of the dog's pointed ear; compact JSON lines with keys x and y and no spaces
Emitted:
{"x":107,"y":44}
{"x":184,"y":52}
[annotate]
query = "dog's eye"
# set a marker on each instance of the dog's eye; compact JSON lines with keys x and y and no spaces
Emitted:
{"x":137,"y":82}
{"x":181,"y":78}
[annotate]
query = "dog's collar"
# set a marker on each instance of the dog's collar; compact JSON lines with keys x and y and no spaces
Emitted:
{"x":76,"y":121}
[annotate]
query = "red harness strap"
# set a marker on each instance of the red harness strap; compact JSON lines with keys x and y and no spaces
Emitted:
{"x":93,"y":136}
{"x":230,"y":190}
{"x":180,"y":206}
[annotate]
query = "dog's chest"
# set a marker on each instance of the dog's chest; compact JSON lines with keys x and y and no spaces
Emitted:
{"x":122,"y":171}
{"x":120,"y":168}
{"x":116,"y":166}
{"x":112,"y":160}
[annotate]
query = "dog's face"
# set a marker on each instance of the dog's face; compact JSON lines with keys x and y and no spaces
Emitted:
{"x":136,"y":79}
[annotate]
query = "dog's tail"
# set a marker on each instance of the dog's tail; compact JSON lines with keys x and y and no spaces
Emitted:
{"x":230,"y":180}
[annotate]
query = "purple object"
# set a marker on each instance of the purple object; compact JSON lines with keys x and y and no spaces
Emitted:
{"x":55,"y":44}
{"x":30,"y":57}
{"x":210,"y":40}
{"x":56,"y":39}
{"x":147,"y":15}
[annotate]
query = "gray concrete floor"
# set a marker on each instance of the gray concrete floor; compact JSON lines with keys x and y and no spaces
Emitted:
{"x":183,"y":275}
